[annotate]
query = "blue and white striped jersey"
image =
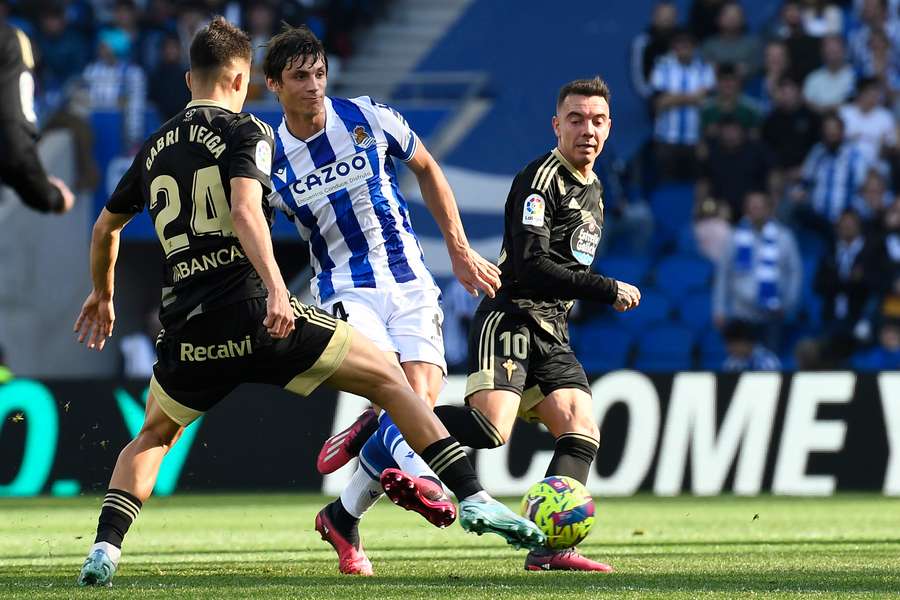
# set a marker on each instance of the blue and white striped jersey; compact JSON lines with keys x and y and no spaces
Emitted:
{"x":681,"y":124}
{"x":833,"y":178}
{"x":340,"y":188}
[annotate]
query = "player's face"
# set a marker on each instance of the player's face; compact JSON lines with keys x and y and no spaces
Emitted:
{"x":582,"y":125}
{"x":302,"y":86}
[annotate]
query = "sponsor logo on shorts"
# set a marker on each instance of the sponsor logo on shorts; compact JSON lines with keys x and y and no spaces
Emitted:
{"x":230,"y":349}
{"x":584,"y":242}
{"x":342,"y":174}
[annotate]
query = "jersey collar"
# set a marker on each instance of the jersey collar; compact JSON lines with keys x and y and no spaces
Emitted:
{"x":330,"y":118}
{"x":591,"y":178}
{"x":208,"y":102}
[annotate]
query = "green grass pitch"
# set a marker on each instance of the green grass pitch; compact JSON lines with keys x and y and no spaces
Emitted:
{"x":263,"y":546}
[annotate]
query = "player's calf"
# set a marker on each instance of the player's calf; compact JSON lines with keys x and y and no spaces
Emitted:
{"x":470,"y":427}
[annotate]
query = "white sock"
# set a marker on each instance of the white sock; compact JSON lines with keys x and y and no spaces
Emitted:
{"x":361,"y":493}
{"x":112,"y":552}
{"x":481,"y":496}
{"x":411,"y":462}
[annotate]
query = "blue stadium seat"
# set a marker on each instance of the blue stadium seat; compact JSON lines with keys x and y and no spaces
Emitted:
{"x":672,"y":205}
{"x":654,"y":308}
{"x":602,"y":347}
{"x":629,"y":269}
{"x":665,"y":348}
{"x":695,"y":310}
{"x":712,"y":350}
{"x":677,"y":275}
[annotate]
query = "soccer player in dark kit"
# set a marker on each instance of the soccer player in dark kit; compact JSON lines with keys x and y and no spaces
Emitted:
{"x":227,"y":314}
{"x":520,"y":360}
{"x":20,"y":167}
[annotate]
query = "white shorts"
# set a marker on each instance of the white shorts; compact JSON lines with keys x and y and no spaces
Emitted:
{"x":406,"y":321}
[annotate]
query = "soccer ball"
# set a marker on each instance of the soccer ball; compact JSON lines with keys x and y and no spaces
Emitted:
{"x":562,"y":508}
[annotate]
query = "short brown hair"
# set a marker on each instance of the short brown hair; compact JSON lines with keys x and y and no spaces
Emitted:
{"x":292,"y":43}
{"x":583,"y":87}
{"x":217,"y":45}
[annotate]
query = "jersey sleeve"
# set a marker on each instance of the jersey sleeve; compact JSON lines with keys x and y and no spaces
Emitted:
{"x":252,"y":150}
{"x":127,"y":197}
{"x":402,"y":140}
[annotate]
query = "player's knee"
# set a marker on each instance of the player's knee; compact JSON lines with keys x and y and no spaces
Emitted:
{"x":578,"y":418}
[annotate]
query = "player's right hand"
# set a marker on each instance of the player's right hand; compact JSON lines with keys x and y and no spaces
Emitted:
{"x":95,"y":322}
{"x":475,"y":273}
{"x":67,"y":195}
{"x":627,"y":297}
{"x":279,"y":321}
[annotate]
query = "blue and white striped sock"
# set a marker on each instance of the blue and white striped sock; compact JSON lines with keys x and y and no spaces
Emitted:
{"x":393,"y":441}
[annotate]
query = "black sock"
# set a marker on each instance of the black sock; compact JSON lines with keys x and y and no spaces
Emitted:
{"x":449,"y":462}
{"x":469,"y":426}
{"x":367,"y":431}
{"x":118,"y":512}
{"x":345,"y":523}
{"x":573,"y":456}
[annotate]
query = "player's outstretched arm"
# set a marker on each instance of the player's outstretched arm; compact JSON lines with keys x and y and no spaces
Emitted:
{"x":95,"y":322}
{"x":473,"y":272}
{"x":252,"y":230}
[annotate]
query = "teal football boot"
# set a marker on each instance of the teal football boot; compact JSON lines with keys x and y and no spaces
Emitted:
{"x":98,"y":569}
{"x":494,"y":517}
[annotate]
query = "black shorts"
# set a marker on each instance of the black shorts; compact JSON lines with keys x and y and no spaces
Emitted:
{"x":508,"y":351}
{"x":214,"y":352}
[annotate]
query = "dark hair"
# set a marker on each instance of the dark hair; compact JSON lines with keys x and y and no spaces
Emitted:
{"x":738,"y":330}
{"x":787,"y":80}
{"x":728,"y":70}
{"x":583,"y":87}
{"x":216,"y":45}
{"x":681,"y":34}
{"x":864,"y":83}
{"x":292,"y":43}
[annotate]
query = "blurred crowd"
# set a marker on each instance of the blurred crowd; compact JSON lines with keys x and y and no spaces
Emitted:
{"x":788,"y":135}
{"x":124,"y":54}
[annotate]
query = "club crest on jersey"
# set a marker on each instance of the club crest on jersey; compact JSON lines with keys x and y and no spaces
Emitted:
{"x":362,"y":138}
{"x":189,"y":114}
{"x":533,"y":213}
{"x":343,"y":174}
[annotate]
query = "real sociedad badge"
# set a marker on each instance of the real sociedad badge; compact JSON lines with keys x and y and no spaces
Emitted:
{"x":362,"y":138}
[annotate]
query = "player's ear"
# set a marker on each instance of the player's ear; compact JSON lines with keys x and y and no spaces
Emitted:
{"x":237,"y":84}
{"x":187,"y":79}
{"x":273,"y":85}
{"x":555,"y":122}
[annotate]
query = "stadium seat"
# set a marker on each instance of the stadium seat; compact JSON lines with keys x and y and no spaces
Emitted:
{"x":629,"y":269}
{"x":654,"y":308}
{"x":677,"y":275}
{"x":672,"y":205}
{"x":602,"y":347}
{"x":665,"y":348}
{"x":695,"y":310}
{"x":712,"y":350}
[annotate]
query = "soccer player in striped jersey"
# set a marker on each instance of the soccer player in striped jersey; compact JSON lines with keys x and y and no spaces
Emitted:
{"x":228,"y":316}
{"x":335,"y":176}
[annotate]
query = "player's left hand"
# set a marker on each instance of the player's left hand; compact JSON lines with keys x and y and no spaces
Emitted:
{"x":476,"y":273}
{"x":95,"y":323}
